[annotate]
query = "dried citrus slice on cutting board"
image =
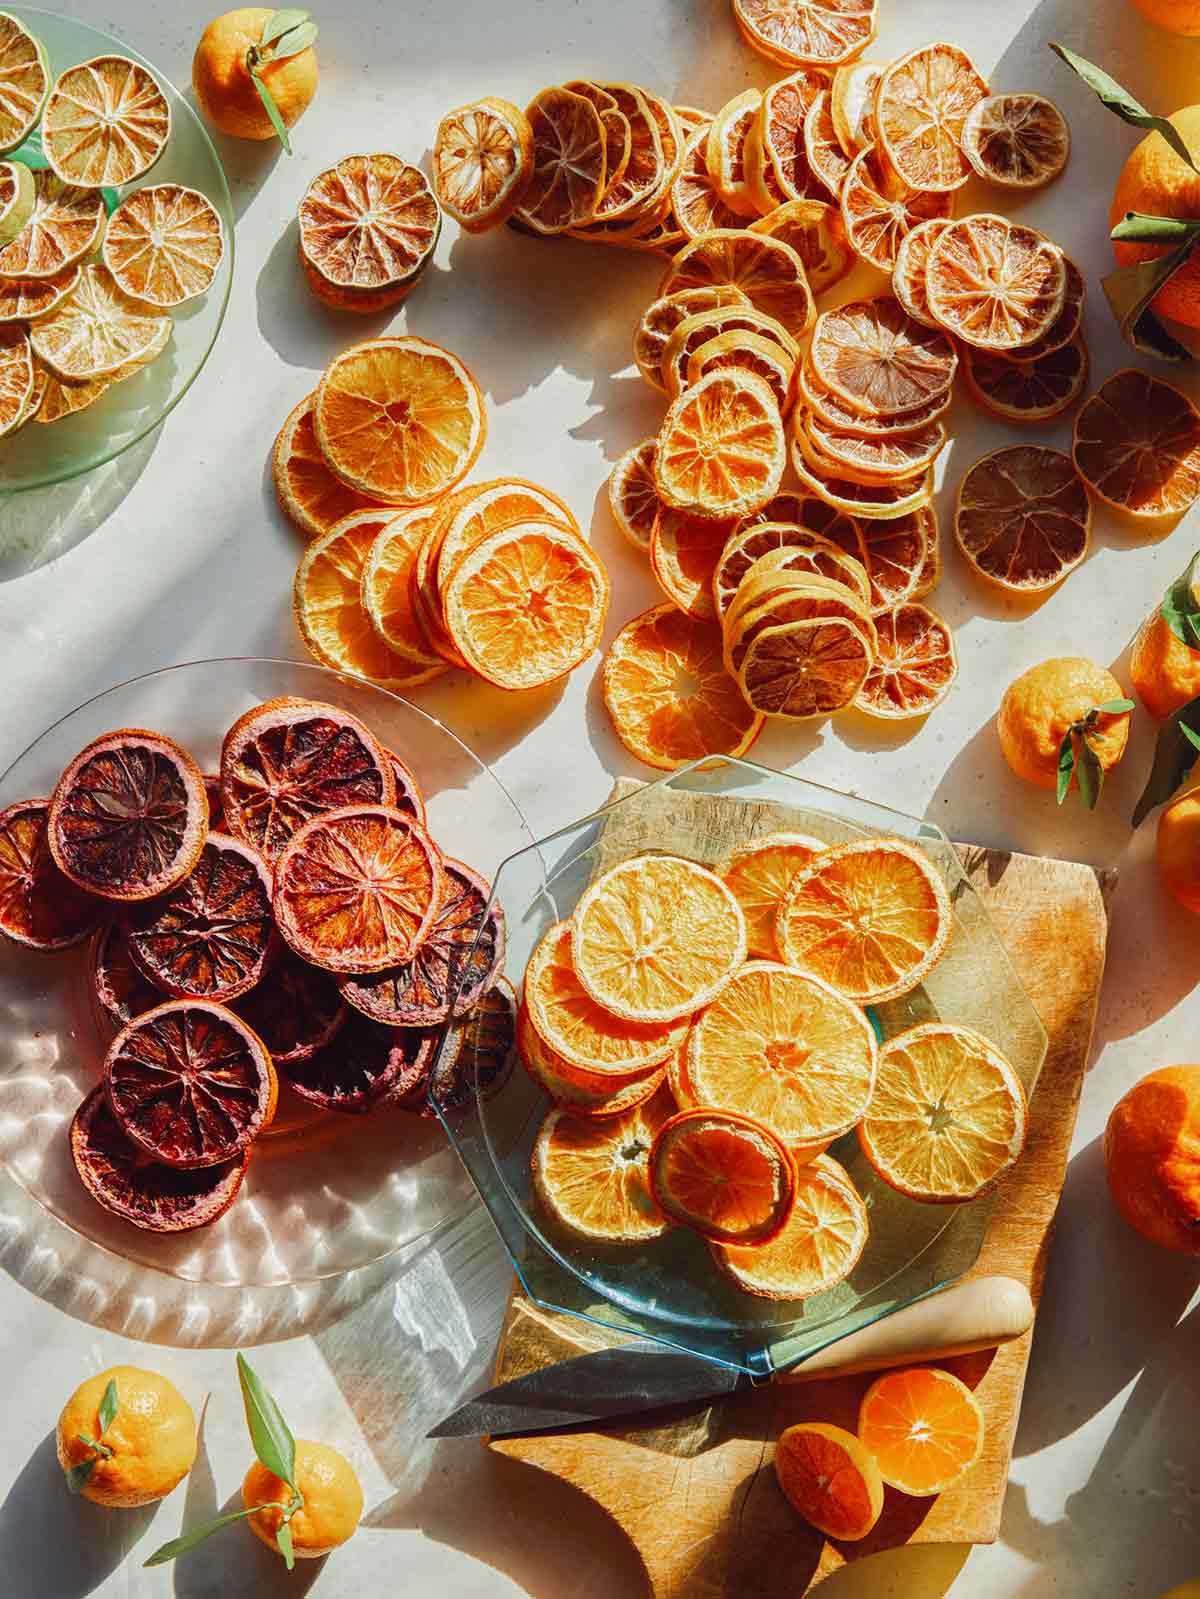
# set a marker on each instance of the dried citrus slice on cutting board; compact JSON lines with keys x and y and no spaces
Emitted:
{"x":370,"y":223}
{"x":662,"y":316}
{"x":24,"y":82}
{"x":879,"y":208}
{"x":386,"y":590}
{"x":921,"y":105}
{"x":581,"y":1093}
{"x":915,"y":665}
{"x":878,"y":361}
{"x":1137,"y":445}
{"x":25,"y":299}
{"x":759,"y":876}
{"x":39,"y":907}
{"x":766,"y":270}
{"x":820,"y":33}
{"x":829,"y":1478}
{"x":1023,"y":518}
{"x":684,"y":551}
{"x":948,"y":1118}
{"x":106,"y":122}
{"x":827,"y":161}
{"x":297,"y":1012}
{"x":1028,"y":393}
{"x":721,"y":449}
{"x":592,"y":1175}
{"x":488,"y":508}
{"x":164,"y":244}
{"x":633,"y":495}
{"x":482,"y":162}
{"x":1017,"y":141}
{"x":995,"y":283}
{"x":307,"y":490}
{"x":924,"y":1426}
{"x":872,"y":918}
{"x":908,"y":274}
{"x":818,"y":1248}
{"x":98,"y":330}
{"x":807,"y":668}
{"x":569,"y":162}
{"x":65,"y":226}
{"x":724,"y":1176}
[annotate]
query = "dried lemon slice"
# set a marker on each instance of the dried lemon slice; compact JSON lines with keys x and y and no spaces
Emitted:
{"x":164,"y":244}
{"x":25,"y":299}
{"x":106,"y":122}
{"x":98,"y":329}
{"x":24,"y":82}
{"x":570,"y":152}
{"x":482,"y":161}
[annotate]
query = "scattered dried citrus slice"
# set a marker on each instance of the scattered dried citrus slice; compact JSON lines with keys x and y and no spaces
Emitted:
{"x":297,"y":1012}
{"x":56,"y":399}
{"x":119,"y":986}
{"x":766,"y":270}
{"x":668,"y":694}
{"x":827,"y":161}
{"x":98,"y":329}
{"x":852,"y":105}
{"x":948,"y":1118}
{"x":830,"y":1479}
{"x":915,"y":665}
{"x":1023,"y":518}
{"x":721,"y":449}
{"x":780,"y":135}
{"x":995,"y":283}
{"x":25,"y":299}
{"x":1137,"y":445}
{"x":17,"y":192}
{"x":39,"y":907}
{"x":747,"y":352}
{"x":364,"y":1066}
{"x":307,"y":490}
{"x":799,"y":33}
{"x":164,"y":244}
{"x":818,"y":1248}
{"x":661,"y":317}
{"x":725,"y":151}
{"x":893,"y":554}
{"x":1069,"y":326}
{"x":1017,"y":141}
{"x":490,"y":508}
{"x":106,"y":122}
{"x":643,"y":184}
{"x":807,"y":668}
{"x":684,"y":552}
{"x":871,"y":917}
{"x":576,"y":1091}
{"x":370,"y":224}
{"x":16,"y":378}
{"x":795,"y":549}
{"x":723,"y":1175}
{"x":879,"y":209}
{"x":386,"y":591}
{"x":695,"y":199}
{"x":592,"y":1176}
{"x":921,"y":105}
{"x":618,"y":137}
{"x":700,"y":329}
{"x":633,"y":495}
{"x":908,"y":274}
{"x":814,"y":230}
{"x":833,"y":411}
{"x":879,"y":459}
{"x":877,"y":360}
{"x":924,"y":1426}
{"x":569,"y":162}
{"x":24,"y":82}
{"x":872,"y":502}
{"x":65,"y":226}
{"x":759,"y":875}
{"x":482,"y":162}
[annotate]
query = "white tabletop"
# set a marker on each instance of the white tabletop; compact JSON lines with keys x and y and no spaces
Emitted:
{"x":178,"y":552}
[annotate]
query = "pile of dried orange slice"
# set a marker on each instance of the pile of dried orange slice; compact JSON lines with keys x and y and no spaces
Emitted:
{"x":288,"y":918}
{"x":368,"y":230}
{"x":703,"y":1039}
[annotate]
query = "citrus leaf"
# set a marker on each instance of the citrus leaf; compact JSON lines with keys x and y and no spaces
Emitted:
{"x":1130,"y":291}
{"x":108,"y":1406}
{"x":284,"y":1539}
{"x":1135,"y":227}
{"x":1066,"y":765}
{"x":189,"y":1540}
{"x":1174,"y":756}
{"x":1178,"y":609}
{"x":269,"y":1433}
{"x":78,"y":1475}
{"x":1121,"y":102}
{"x":1192,"y":738}
{"x":281,"y":22}
{"x":1116,"y":707}
{"x":1089,"y":775}
{"x":272,"y":110}
{"x":103,"y":1452}
{"x":295,"y":40}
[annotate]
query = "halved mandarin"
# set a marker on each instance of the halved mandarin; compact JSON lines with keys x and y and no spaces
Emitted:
{"x":725,"y":151}
{"x":576,"y":1091}
{"x":662,"y":316}
{"x":829,"y":1478}
{"x":164,"y":244}
{"x":806,"y":669}
{"x":827,"y":161}
{"x":915,"y":664}
{"x":24,"y":299}
{"x":307,"y":490}
{"x":488,"y":508}
{"x":633,"y":495}
{"x":819,"y":1247}
{"x":386,"y":586}
{"x":592,"y":1175}
{"x":1137,"y":446}
{"x":814,"y":230}
{"x":766,"y":270}
{"x":908,"y":274}
{"x":820,"y":33}
{"x":482,"y":162}
{"x":24,"y":82}
{"x":872,"y":918}
{"x":1023,"y":518}
{"x":922,"y":102}
{"x":724,"y":1176}
{"x":369,"y":224}
{"x":684,"y":551}
{"x":924,"y":1426}
{"x":878,"y":361}
{"x":995,"y":283}
{"x":949,"y":1117}
{"x":66,"y":225}
{"x":879,"y":209}
{"x":1028,"y":392}
{"x":569,"y":162}
{"x":696,"y":201}
{"x":39,"y":907}
{"x":106,"y":122}
{"x":1017,"y":141}
{"x":785,"y":105}
{"x":721,"y":449}
{"x":98,"y":330}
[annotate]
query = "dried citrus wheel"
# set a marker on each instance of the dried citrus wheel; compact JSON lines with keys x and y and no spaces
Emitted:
{"x":725,"y":151}
{"x":98,"y":329}
{"x":24,"y":82}
{"x":873,"y":502}
{"x":799,"y":33}
{"x":476,"y":1058}
{"x":364,"y":1065}
{"x":482,"y":161}
{"x":995,"y":283}
{"x":656,"y":938}
{"x":759,"y":875}
{"x":386,"y":590}
{"x":488,"y":508}
{"x":164,"y":244}
{"x":106,"y":122}
{"x":930,"y":573}
{"x":915,"y":664}
{"x":768,"y":272}
{"x":128,"y":817}
{"x":1070,"y":321}
{"x":16,"y":378}
{"x":772,"y":593}
{"x":879,"y":208}
{"x":881,"y":459}
{"x":705,"y":326}
{"x":307,"y":490}
{"x":121,"y":990}
{"x":189,"y":1083}
{"x":24,"y":299}
{"x":924,"y":1426}
{"x":297,"y":1012}
{"x":748,"y":352}
{"x":358,"y":889}
{"x":723,"y":1175}
{"x":618,"y":138}
{"x":1023,"y":518}
{"x":569,"y":162}
{"x":791,"y":549}
{"x":1017,"y":141}
{"x":684,"y":551}
{"x":807,"y":668}
{"x":370,"y":223}
{"x":852,"y":104}
{"x":668,"y":694}
{"x":409,"y":798}
{"x":156,"y":1197}
{"x":633,"y":495}
{"x":921,"y":105}
{"x":661,"y":317}
{"x":576,"y":1091}
{"x":878,"y":361}
{"x":1137,"y":445}
{"x":948,"y":1118}
{"x":820,"y":1246}
{"x":592,"y":1176}
{"x":830,"y":1479}
{"x":827,"y":161}
{"x":399,"y":419}
{"x":814,"y":230}
{"x":39,"y":907}
{"x":893,"y":554}
{"x":695,"y":199}
{"x":16,"y":198}
{"x":785,"y":105}
{"x":65,"y":226}
{"x":908,"y":274}
{"x":721,"y":449}
{"x":637,"y":192}
{"x":871,"y":917}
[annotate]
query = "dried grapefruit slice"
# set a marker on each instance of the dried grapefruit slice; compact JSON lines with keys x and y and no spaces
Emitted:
{"x":296,"y":1012}
{"x":879,"y":209}
{"x":164,"y":244}
{"x":106,"y":122}
{"x":995,"y":283}
{"x":1016,"y":141}
{"x":119,"y":986}
{"x":307,"y":490}
{"x":721,"y":449}
{"x":24,"y":82}
{"x":369,"y":224}
{"x":633,"y":495}
{"x":807,"y":668}
{"x":948,"y":1118}
{"x":827,"y":161}
{"x":814,"y":230}
{"x":766,"y":270}
{"x":578,"y":1092}
{"x":1137,"y":446}
{"x":491,"y":508}
{"x":725,"y":151}
{"x":878,"y":361}
{"x":1023,"y":518}
{"x":908,"y":274}
{"x":661,"y":317}
{"x":569,"y":162}
{"x":922,"y":102}
{"x":724,"y":1176}
{"x":684,"y":552}
{"x":592,"y":1176}
{"x":915,"y":665}
{"x":39,"y":907}
{"x":830,"y":1479}
{"x":65,"y":226}
{"x":387,"y":586}
{"x":16,"y":378}
{"x":924,"y":1427}
{"x":820,"y":33}
{"x":696,"y":201}
{"x":24,"y":299}
{"x":759,"y":876}
{"x":364,"y":1065}
{"x":98,"y":330}
{"x":482,"y":162}
{"x":785,"y":107}
{"x":818,"y":1248}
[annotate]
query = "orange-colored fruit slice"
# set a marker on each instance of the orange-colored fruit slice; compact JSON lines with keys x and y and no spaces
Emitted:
{"x":661,"y":317}
{"x":747,"y":352}
{"x":921,"y":105}
{"x":593,"y":1176}
{"x":633,"y":495}
{"x":1016,"y":141}
{"x":872,"y":918}
{"x":814,"y":230}
{"x":806,"y":669}
{"x":948,"y":1118}
{"x":781,"y":117}
{"x":908,"y":274}
{"x":52,"y":399}
{"x":879,"y":208}
{"x":482,"y":162}
{"x":994,"y":283}
{"x":386,"y":590}
{"x":24,"y":83}
{"x":106,"y":122}
{"x":820,"y":33}
{"x":833,"y":411}
{"x":1137,"y":445}
{"x":893,"y":555}
{"x":874,"y":502}
{"x":580,"y":1092}
{"x":852,"y":104}
{"x":915,"y":664}
{"x":725,"y":151}
{"x":307,"y":490}
{"x":39,"y":907}
{"x":924,"y":1426}
{"x":1069,"y":326}
{"x":24,"y":299}
{"x":684,"y":551}
{"x":98,"y":330}
{"x":878,"y":361}
{"x":759,"y":876}
{"x":766,"y":270}
{"x":724,"y":1176}
{"x":1027,"y":392}
{"x":1023,"y":518}
{"x":488,"y":508}
{"x":696,"y":201}
{"x":772,"y":592}
{"x":569,"y":162}
{"x":807,"y":552}
{"x":618,"y":136}
{"x":369,"y":224}
{"x":827,"y":161}
{"x":16,"y":379}
{"x":66,"y":225}
{"x":721,"y":449}
{"x":164,"y":244}
{"x":699,"y":330}
{"x":830,"y":1479}
{"x":879,"y":459}
{"x":819,"y":1247}
{"x":637,"y":192}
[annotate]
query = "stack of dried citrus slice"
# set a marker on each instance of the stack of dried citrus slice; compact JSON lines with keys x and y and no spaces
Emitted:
{"x":316,"y":936}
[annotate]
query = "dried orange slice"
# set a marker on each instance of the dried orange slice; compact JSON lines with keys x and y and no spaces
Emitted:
{"x":852,"y":105}
{"x":307,"y":490}
{"x":827,"y":161}
{"x":106,"y":122}
{"x":833,"y":411}
{"x":369,"y":224}
{"x":768,"y":272}
{"x":873,"y":502}
{"x":661,"y":317}
{"x":633,"y":495}
{"x":98,"y":330}
{"x":878,"y":361}
{"x":747,"y":352}
{"x":819,"y":1247}
{"x":53,"y":399}
{"x":1070,"y":322}
{"x":995,"y":283}
{"x":643,"y":184}
{"x":948,"y":1118}
{"x":399,"y":419}
{"x":128,"y":816}
{"x":164,"y":244}
{"x":830,"y":1479}
{"x":908,"y":274}
{"x":39,"y":907}
{"x":773,"y":592}
{"x":724,"y":1176}
{"x":814,"y":230}
{"x":16,"y":379}
{"x":1016,"y":141}
{"x":698,"y":330}
{"x":24,"y":82}
{"x":618,"y":135}
{"x":593,"y":1176}
{"x":781,"y":117}
{"x":569,"y":162}
{"x":879,"y":209}
{"x":759,"y":876}
{"x":725,"y":151}
{"x":387,"y":586}
{"x":930,"y":573}
{"x":657,"y":938}
{"x":1137,"y":445}
{"x":893,"y":554}
{"x":482,"y":162}
{"x":798,"y":549}
{"x":881,"y":459}
{"x":696,"y":201}
{"x":581,"y":1093}
{"x":820,"y":33}
{"x":1023,"y":518}
{"x":807,"y":668}
{"x":490,"y":508}
{"x":66,"y":225}
{"x":920,"y":108}
{"x":915,"y":664}
{"x":668,"y":694}
{"x":924,"y":1427}
{"x":24,"y":299}
{"x":684,"y":551}
{"x":721,"y":449}
{"x":871,"y":917}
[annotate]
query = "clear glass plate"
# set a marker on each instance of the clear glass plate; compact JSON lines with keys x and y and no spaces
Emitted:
{"x":325,"y":1194}
{"x":669,"y":1289}
{"x":37,"y":455}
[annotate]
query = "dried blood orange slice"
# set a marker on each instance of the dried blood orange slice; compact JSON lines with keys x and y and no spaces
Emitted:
{"x":576,"y":1091}
{"x":908,"y":274}
{"x":386,"y":585}
{"x":995,"y":283}
{"x":829,"y":1478}
{"x":212,"y":935}
{"x":591,"y":1175}
{"x":24,"y":82}
{"x":1137,"y":446}
{"x":725,"y":152}
{"x":66,"y":225}
{"x":482,"y":162}
{"x":766,"y":270}
{"x":1027,"y":391}
{"x":164,"y":244}
{"x":915,"y":664}
{"x":814,"y":230}
{"x":190,"y":1083}
{"x":490,"y":508}
{"x":1023,"y":518}
{"x":24,"y":299}
{"x":827,"y":161}
{"x":119,"y":986}
{"x":358,"y":889}
{"x":39,"y":907}
{"x":781,"y":118}
{"x":724,"y":1176}
{"x":661,"y":317}
{"x":570,"y":153}
{"x":759,"y":876}
{"x":477,"y":1054}
{"x":122,"y":1178}
{"x":807,"y":668}
{"x":307,"y":490}
{"x":99,"y":330}
{"x":409,"y":798}
{"x":1017,"y":141}
{"x":820,"y":33}
{"x":820,"y":1246}
{"x":128,"y":817}
{"x":921,"y":105}
{"x":878,"y":361}
{"x":684,"y":551}
{"x":633,"y":495}
{"x":106,"y":122}
{"x":879,"y":209}
{"x":696,"y":202}
{"x":369,"y":224}
{"x":721,"y":449}
{"x":362,"y":1065}
{"x":296,"y":1011}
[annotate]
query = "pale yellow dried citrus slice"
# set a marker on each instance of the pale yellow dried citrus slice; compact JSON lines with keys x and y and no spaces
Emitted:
{"x":17,"y":192}
{"x":1023,"y":518}
{"x":1027,"y":392}
{"x":618,"y":135}
{"x":721,"y":450}
{"x":25,"y":299}
{"x":387,"y":585}
{"x":768,"y":272}
{"x":995,"y":283}
{"x":878,"y":361}
{"x":661,"y":318}
{"x":1137,"y":446}
{"x":698,"y":330}
{"x":785,"y":105}
{"x":806,"y":669}
{"x":880,"y":459}
{"x":106,"y":122}
{"x":852,"y":105}
{"x":696,"y":201}
{"x":799,"y":33}
{"x":821,"y":1244}
{"x":633,"y":495}
{"x":65,"y":226}
{"x":814,"y":230}
{"x":873,"y":501}
{"x":748,"y":352}
{"x":164,"y":244}
{"x":97,"y":329}
{"x":592,"y":1176}
{"x":759,"y":876}
{"x":24,"y":82}
{"x":307,"y":490}
{"x":827,"y":161}
{"x":488,"y":508}
{"x":569,"y":162}
{"x":908,"y":274}
{"x":921,"y":105}
{"x":369,"y":224}
{"x":646,"y":178}
{"x":725,"y":151}
{"x":668,"y":694}
{"x":949,"y":1117}
{"x":879,"y":208}
{"x":684,"y":551}
{"x":482,"y":161}
{"x":16,"y":378}
{"x":1016,"y":141}
{"x":56,"y":399}
{"x":399,"y":419}
{"x":915,"y":664}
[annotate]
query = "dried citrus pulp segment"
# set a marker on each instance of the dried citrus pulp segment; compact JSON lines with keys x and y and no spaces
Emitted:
{"x":820,"y":1246}
{"x":399,"y":419}
{"x":579,"y":1092}
{"x":164,"y":244}
{"x":696,"y":201}
{"x":128,"y":816}
{"x":684,"y":551}
{"x":39,"y":907}
{"x":633,"y":495}
{"x":569,"y":162}
{"x":820,"y":33}
{"x":488,"y":508}
{"x":759,"y":876}
{"x":16,"y":379}
{"x":908,"y":274}
{"x":721,"y":450}
{"x":656,"y":938}
{"x":924,"y":1426}
{"x":24,"y":82}
{"x":879,"y":208}
{"x":1137,"y":445}
{"x":65,"y":226}
{"x":827,"y":161}
{"x":668,"y":693}
{"x":948,"y":1118}
{"x":593,"y":1178}
{"x":724,"y":1176}
{"x":482,"y":161}
{"x":24,"y":299}
{"x":781,"y":117}
{"x":1017,"y":141}
{"x":386,"y":586}
{"x":661,"y":317}
{"x":915,"y":664}
{"x":1023,"y":518}
{"x":878,"y":361}
{"x":369,"y":223}
{"x":106,"y":122}
{"x":829,"y":1478}
{"x":98,"y":329}
{"x":768,"y":272}
{"x":921,"y":105}
{"x":307,"y":490}
{"x":995,"y":283}
{"x":806,"y":668}
{"x":1027,"y":392}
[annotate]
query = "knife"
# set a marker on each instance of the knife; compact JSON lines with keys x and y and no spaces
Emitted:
{"x":643,"y":1375}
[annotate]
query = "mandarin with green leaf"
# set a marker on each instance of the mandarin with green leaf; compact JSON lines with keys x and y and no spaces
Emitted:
{"x":1152,"y":1157}
{"x":232,"y":62}
{"x":126,"y":1437}
{"x":1157,"y":182}
{"x":1055,"y":701}
{"x":332,"y":1501}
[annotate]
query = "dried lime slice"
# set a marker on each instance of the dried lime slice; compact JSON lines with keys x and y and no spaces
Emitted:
{"x":98,"y":329}
{"x":25,"y":299}
{"x":24,"y":82}
{"x":164,"y":244}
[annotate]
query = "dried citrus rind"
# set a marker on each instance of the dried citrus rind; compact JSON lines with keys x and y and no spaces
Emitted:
{"x":39,"y":907}
{"x":633,"y":495}
{"x":766,"y":270}
{"x":386,"y":586}
{"x":662,"y":316}
{"x":814,"y":230}
{"x":819,"y":1247}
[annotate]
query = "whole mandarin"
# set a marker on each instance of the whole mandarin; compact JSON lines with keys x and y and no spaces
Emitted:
{"x":1158,"y":182}
{"x":332,"y":1494}
{"x":1043,"y":703}
{"x":225,"y":89}
{"x":1165,"y":672}
{"x":1178,"y":849}
{"x":1152,"y":1156}
{"x":1177,"y":16}
{"x":152,"y":1437}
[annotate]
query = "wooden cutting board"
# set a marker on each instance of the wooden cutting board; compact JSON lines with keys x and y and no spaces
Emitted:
{"x":697,"y":1494}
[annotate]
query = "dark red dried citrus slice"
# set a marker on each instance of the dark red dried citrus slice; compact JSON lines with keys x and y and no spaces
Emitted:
{"x":216,"y":800}
{"x":158,"y":1198}
{"x":296,"y":1011}
{"x":409,"y":798}
{"x":39,"y":907}
{"x":357,"y":890}
{"x":478,"y":1053}
{"x":362,"y":1066}
{"x":289,"y":760}
{"x":453,"y":966}
{"x":129,"y":815}
{"x":190,"y":1083}
{"x":121,"y":990}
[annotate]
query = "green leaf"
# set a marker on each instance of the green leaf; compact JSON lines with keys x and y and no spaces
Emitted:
{"x":1178,"y":609}
{"x":108,"y":1406}
{"x":1192,"y":738}
{"x":1089,"y":775}
{"x":78,"y":1475}
{"x":1121,"y":102}
{"x":269,"y":1433}
{"x":1130,"y":291}
{"x":1135,"y":227}
{"x":189,"y":1540}
{"x":103,"y":1452}
{"x":1066,"y":765}
{"x":281,"y":22}
{"x":272,"y":110}
{"x":1174,"y":756}
{"x":284,"y":1539}
{"x":1116,"y":707}
{"x":294,"y":41}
